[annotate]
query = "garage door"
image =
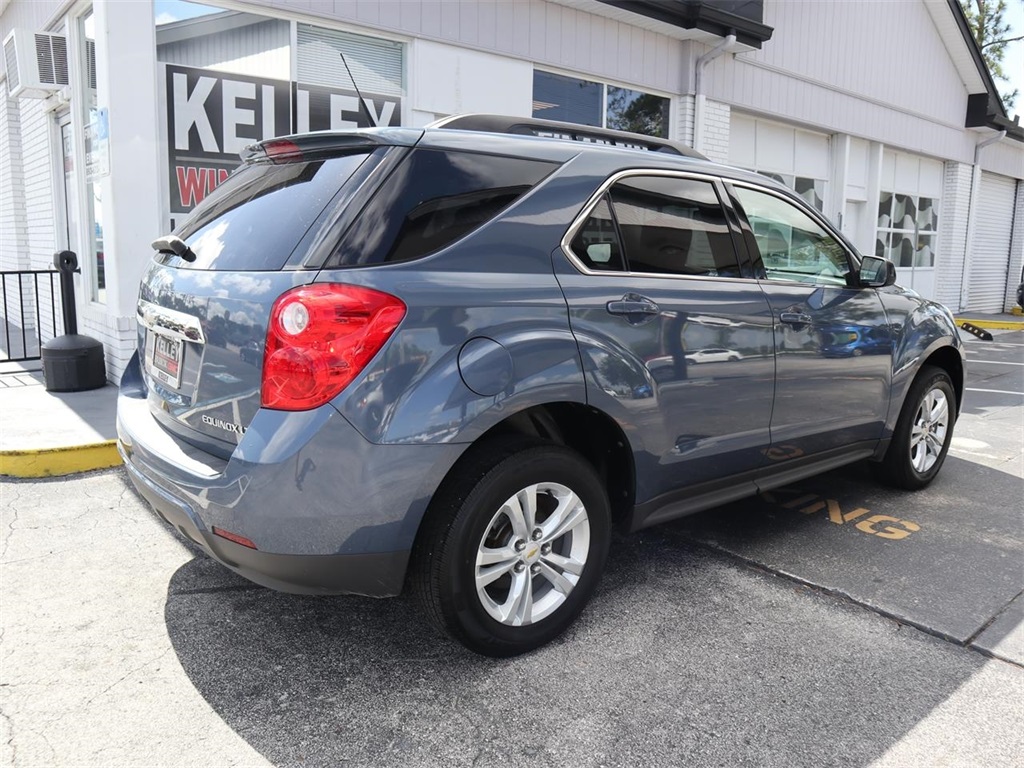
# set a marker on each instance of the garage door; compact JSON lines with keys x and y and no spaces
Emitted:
{"x":990,"y":254}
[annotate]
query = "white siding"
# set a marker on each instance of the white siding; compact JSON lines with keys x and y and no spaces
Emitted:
{"x":875,"y":70}
{"x":261,"y":50}
{"x":537,"y":31}
{"x":990,"y":251}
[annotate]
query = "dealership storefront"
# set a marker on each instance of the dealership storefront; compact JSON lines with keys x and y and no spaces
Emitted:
{"x":158,"y":99}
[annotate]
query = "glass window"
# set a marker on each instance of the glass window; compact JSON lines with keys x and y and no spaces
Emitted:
{"x":256,"y":217}
{"x":572,"y":100}
{"x":792,"y":246}
{"x":637,"y":112}
{"x":556,"y":97}
{"x":673,"y":226}
{"x":597,"y":243}
{"x":811,"y":190}
{"x":907,"y":228}
{"x":431,"y":200}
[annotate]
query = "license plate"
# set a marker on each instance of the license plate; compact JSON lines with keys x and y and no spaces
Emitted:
{"x":165,"y":359}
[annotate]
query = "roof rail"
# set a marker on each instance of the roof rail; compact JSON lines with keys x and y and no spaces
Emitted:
{"x":554,"y":129}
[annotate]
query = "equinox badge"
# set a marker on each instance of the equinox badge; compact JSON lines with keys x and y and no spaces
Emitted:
{"x":227,"y":426}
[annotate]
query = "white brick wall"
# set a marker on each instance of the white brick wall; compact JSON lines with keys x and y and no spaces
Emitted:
{"x":956,"y":196}
{"x":716,"y":131}
{"x":37,"y":160}
{"x":1016,"y":251}
{"x":684,"y":119}
{"x":12,"y":191}
{"x":118,"y":335}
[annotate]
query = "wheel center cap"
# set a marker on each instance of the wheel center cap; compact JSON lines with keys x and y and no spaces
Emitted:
{"x":532,"y":553}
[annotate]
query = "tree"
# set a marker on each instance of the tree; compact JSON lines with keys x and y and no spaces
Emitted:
{"x":993,"y":34}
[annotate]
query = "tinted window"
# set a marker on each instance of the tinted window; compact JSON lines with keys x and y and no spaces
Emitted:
{"x":673,"y":226}
{"x":431,"y":200}
{"x":597,"y":242}
{"x":255,"y":218}
{"x":556,"y":97}
{"x":792,"y":246}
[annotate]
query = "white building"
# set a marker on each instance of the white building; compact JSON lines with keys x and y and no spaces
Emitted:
{"x":115,"y":120}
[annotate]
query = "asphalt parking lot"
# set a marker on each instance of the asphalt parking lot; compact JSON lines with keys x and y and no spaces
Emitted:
{"x":830,"y":623}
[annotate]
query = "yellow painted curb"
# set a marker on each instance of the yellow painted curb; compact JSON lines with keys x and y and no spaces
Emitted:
{"x":1000,"y":325}
{"x":50,"y":462}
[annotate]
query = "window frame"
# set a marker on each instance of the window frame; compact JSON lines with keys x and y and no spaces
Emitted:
{"x":788,"y":196}
{"x":724,"y":199}
{"x":916,"y":233}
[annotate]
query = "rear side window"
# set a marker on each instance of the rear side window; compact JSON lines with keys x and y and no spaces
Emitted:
{"x":431,"y":200}
{"x":255,"y":218}
{"x":597,"y":242}
{"x":673,"y":226}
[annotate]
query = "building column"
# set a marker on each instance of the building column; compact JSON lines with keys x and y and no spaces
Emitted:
{"x":1013,"y":276}
{"x":953,"y":217}
{"x":712,"y":131}
{"x":126,"y":86}
{"x":13,"y":234}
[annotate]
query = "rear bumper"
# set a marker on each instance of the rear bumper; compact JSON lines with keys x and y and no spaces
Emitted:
{"x":329,"y":512}
{"x":372,"y":574}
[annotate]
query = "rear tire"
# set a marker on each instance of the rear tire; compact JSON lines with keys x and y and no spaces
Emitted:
{"x":923,"y":433}
{"x":513,"y":546}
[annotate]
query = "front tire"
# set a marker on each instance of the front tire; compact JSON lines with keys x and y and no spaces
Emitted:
{"x":513,"y":546}
{"x":923,"y":433}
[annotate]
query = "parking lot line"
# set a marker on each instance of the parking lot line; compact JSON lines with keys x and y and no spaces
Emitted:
{"x":994,"y":362}
{"x":995,"y":391}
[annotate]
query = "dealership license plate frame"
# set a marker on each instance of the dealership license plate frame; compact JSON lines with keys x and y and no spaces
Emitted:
{"x":161,"y":352}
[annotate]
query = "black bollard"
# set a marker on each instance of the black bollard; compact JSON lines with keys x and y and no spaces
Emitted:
{"x":72,"y":362}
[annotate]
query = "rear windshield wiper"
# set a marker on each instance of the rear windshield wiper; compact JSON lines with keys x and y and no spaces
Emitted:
{"x":175,"y":246}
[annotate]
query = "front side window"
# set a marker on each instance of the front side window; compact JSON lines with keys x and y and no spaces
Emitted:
{"x":791,"y":245}
{"x":673,"y":226}
{"x":574,"y":100}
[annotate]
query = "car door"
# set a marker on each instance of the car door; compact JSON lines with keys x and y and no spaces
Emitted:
{"x":651,"y":275}
{"x":833,"y":343}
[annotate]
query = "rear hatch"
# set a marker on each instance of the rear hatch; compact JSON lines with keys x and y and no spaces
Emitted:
{"x":203,"y":311}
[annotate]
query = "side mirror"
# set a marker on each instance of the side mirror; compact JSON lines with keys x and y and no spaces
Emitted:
{"x":876,"y":272}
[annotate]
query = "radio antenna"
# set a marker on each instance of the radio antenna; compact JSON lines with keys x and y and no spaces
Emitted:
{"x":362,"y":103}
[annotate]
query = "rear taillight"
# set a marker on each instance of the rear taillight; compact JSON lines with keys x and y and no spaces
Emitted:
{"x":319,"y":338}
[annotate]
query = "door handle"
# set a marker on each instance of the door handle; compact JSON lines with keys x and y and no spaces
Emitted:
{"x":633,"y":304}
{"x":795,"y":318}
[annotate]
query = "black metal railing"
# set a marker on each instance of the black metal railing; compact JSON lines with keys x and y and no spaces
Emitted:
{"x":30,"y":312}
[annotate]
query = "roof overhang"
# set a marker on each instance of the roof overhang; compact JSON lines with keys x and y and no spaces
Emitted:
{"x":984,"y":105}
{"x":701,"y":20}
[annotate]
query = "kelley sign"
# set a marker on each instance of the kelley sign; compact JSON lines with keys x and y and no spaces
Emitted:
{"x":212,"y":116}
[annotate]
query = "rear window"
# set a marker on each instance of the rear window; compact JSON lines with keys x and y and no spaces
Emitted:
{"x":254,"y":220}
{"x":431,"y":200}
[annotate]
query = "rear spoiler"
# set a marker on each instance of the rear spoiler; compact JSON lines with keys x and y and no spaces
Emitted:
{"x":285,"y":148}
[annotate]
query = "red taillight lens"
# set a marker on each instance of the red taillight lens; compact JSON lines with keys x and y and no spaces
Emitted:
{"x":319,"y":338}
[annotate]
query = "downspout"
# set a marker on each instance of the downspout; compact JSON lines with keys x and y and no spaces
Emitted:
{"x":965,"y":275}
{"x":698,"y":93}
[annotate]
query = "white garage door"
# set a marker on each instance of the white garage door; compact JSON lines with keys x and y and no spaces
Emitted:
{"x":990,"y":254}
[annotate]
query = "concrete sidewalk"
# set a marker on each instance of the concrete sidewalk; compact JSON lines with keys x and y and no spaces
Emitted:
{"x":53,"y":433}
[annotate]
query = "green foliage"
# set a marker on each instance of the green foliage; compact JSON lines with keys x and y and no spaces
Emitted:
{"x":993,"y":35}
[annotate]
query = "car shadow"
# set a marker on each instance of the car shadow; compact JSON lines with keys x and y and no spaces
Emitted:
{"x":686,"y":656}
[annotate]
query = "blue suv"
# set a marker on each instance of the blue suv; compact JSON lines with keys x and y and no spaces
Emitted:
{"x":459,"y":356}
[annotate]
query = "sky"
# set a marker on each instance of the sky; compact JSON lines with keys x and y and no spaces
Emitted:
{"x":1013,"y":60}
